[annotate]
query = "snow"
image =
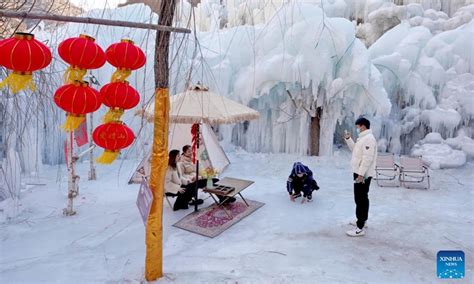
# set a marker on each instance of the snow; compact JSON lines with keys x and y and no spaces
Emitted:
{"x":439,"y":156}
{"x":445,"y":153}
{"x":432,"y":138}
{"x":462,"y":142}
{"x":283,"y":242}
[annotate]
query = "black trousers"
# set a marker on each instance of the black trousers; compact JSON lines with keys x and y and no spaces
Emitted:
{"x":361,"y":198}
{"x":189,"y":192}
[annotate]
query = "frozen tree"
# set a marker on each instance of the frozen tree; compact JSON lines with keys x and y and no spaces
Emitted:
{"x":301,"y":68}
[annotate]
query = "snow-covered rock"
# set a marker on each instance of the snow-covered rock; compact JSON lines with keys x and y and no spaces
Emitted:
{"x":462,"y":142}
{"x":432,"y":138}
{"x":439,"y":156}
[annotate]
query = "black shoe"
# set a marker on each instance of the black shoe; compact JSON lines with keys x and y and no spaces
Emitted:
{"x":309,"y":198}
{"x":199,"y":202}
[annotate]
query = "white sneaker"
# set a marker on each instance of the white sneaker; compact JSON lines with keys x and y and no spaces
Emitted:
{"x":354,"y":223}
{"x":355,"y":232}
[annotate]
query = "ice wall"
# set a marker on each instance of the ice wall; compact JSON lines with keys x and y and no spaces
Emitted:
{"x":316,"y":58}
{"x":218,"y":14}
{"x":428,"y":73}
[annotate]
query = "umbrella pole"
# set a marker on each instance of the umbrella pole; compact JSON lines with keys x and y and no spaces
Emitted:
{"x":197,"y":170}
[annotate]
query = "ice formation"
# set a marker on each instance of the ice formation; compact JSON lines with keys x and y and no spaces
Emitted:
{"x":287,"y":71}
{"x":294,"y":62}
{"x":429,"y":77}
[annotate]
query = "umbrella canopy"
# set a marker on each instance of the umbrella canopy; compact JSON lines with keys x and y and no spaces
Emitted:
{"x":199,"y":105}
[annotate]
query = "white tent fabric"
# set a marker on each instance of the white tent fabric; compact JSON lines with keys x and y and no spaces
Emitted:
{"x":210,"y":152}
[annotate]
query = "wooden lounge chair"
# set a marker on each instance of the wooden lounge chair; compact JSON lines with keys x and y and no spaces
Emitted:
{"x":413,"y":171}
{"x":387,"y":171}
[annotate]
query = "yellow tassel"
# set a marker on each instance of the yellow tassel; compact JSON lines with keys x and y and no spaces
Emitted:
{"x":18,"y":81}
{"x":108,"y":157}
{"x":73,"y":74}
{"x":112,"y":115}
{"x":72,"y":122}
{"x":120,"y":75}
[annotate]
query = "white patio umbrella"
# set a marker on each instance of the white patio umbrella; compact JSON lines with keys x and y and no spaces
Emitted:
{"x":198,"y":105}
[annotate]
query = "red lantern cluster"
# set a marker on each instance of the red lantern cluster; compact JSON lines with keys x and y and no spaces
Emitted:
{"x":77,"y":99}
{"x":81,"y":53}
{"x":118,"y":96}
{"x":22,"y":54}
{"x":113,"y":137}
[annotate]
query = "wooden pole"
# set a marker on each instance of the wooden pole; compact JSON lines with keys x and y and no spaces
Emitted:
{"x":71,"y":182}
{"x":92,"y":173}
{"x":88,"y":20}
{"x":159,"y":162}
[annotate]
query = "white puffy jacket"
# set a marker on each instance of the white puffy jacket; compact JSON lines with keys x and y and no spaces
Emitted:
{"x":174,"y":180}
{"x":364,"y":154}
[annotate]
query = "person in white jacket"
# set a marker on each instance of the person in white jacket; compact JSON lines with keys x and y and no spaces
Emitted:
{"x":364,"y":156}
{"x":186,"y":165}
{"x":177,"y":184}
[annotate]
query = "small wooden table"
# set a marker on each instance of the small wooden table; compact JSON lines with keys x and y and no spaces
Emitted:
{"x":238,"y":184}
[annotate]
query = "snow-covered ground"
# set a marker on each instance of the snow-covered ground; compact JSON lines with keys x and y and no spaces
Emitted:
{"x":283,"y":242}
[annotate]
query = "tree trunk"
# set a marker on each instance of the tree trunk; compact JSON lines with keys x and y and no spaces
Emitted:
{"x":159,"y":163}
{"x":315,"y":132}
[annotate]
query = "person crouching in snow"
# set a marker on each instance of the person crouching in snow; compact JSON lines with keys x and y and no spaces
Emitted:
{"x":301,"y":181}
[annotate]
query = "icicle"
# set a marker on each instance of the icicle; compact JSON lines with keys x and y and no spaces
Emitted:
{"x":18,"y":81}
{"x":108,"y":157}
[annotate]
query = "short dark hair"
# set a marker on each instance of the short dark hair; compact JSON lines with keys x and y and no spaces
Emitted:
{"x":172,"y":158}
{"x":185,"y":148}
{"x":363,"y":121}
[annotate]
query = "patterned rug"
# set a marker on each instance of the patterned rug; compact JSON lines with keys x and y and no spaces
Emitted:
{"x":213,"y":220}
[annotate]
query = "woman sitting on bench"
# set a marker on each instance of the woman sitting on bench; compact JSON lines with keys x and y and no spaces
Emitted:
{"x":181,"y":186}
{"x":176,"y":184}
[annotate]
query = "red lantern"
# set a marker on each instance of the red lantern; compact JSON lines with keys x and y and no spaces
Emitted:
{"x":77,"y":99}
{"x":126,"y":56}
{"x":113,"y":137}
{"x":23,"y":54}
{"x":81,"y":53}
{"x":118,"y":96}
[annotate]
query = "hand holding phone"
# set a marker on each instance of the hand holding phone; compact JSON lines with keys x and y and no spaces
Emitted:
{"x":347,"y":135}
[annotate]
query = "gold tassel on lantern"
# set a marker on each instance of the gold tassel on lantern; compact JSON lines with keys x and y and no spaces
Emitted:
{"x":120,"y":75}
{"x":72,"y":122}
{"x":73,"y":74}
{"x":113,"y":114}
{"x":108,"y":157}
{"x":18,"y":81}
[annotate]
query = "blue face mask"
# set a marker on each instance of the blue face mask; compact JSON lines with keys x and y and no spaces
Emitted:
{"x":358,"y":131}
